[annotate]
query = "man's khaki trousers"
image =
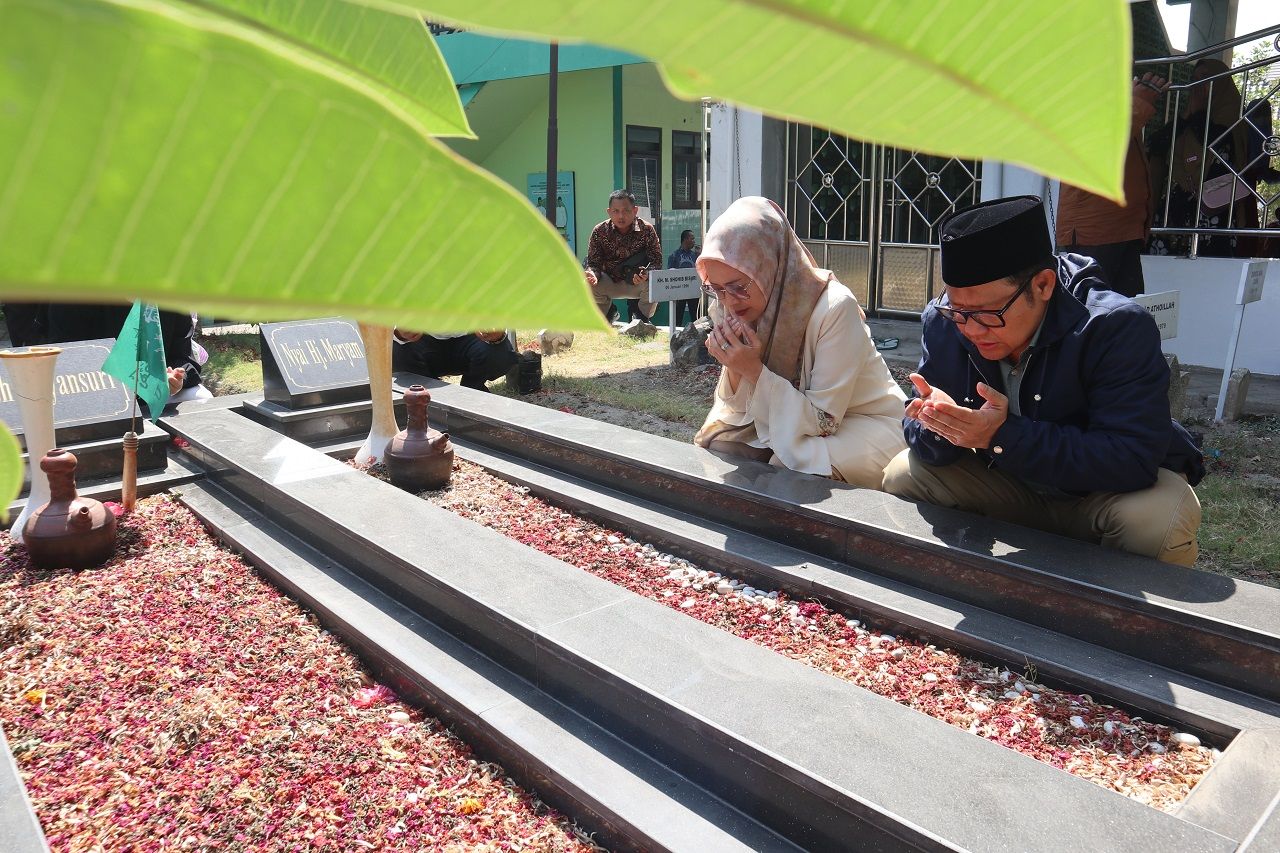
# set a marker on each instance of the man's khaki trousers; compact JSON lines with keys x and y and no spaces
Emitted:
{"x":1160,"y":521}
{"x":607,"y":289}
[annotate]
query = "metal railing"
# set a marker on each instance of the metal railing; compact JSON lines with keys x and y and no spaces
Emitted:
{"x":869,"y":213}
{"x":1216,"y":191}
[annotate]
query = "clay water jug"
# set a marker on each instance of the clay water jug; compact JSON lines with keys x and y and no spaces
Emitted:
{"x":419,"y":458}
{"x":68,"y":532}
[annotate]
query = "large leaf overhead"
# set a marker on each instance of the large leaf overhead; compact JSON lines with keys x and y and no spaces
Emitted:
{"x":177,"y":153}
{"x":391,"y":53}
{"x":1038,"y":82}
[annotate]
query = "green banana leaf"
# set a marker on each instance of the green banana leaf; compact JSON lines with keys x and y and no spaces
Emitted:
{"x":179,"y":154}
{"x":390,"y":53}
{"x":263,"y":160}
{"x":1043,"y":83}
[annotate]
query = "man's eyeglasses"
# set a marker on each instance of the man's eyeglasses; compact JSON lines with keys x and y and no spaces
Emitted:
{"x":990,"y":319}
{"x":737,"y":291}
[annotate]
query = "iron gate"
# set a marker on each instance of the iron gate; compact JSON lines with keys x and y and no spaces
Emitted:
{"x":870,"y":213}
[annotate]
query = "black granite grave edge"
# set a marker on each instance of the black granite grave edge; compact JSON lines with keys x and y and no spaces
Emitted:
{"x":20,"y":830}
{"x":1217,"y":714}
{"x":1240,"y":791}
{"x":177,"y":472}
{"x":563,"y":780}
{"x":317,"y":423}
{"x":784,"y":796}
{"x":1178,"y":637}
{"x":1220,"y":714}
{"x":103,"y":458}
{"x":1265,"y":837}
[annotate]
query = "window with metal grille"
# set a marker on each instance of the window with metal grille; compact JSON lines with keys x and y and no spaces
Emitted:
{"x":644,"y":166}
{"x":686,"y":170}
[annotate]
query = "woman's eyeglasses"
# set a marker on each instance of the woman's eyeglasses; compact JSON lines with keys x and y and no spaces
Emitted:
{"x":990,"y":319}
{"x":737,"y":291}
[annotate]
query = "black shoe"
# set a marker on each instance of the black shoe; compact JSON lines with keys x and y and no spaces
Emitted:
{"x":612,"y":314}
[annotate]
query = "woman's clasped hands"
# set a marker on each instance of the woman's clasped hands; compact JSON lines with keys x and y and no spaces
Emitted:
{"x":734,"y":344}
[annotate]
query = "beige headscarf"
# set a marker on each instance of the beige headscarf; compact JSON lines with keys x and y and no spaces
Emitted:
{"x":754,"y":237}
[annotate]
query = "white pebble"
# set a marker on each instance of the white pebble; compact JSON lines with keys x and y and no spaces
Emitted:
{"x":898,"y":654}
{"x":613,"y":540}
{"x":399,"y":717}
{"x":842,"y":642}
{"x":687,"y":603}
{"x":1109,"y":727}
{"x":929,"y":676}
{"x":773,"y":594}
{"x":888,"y":638}
{"x":1155,"y":747}
{"x":979,"y":707}
{"x":668,"y":593}
{"x":1019,"y":687}
{"x":1009,"y":694}
{"x":1185,"y":739}
{"x":853,"y":623}
{"x":411,"y":797}
{"x":1078,"y":722}
{"x":798,"y":621}
{"x":1005,"y":675}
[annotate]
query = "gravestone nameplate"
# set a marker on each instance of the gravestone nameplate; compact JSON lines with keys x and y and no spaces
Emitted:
{"x":87,"y":404}
{"x":313,"y":363}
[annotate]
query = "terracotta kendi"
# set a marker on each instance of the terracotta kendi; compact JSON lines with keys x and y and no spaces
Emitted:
{"x":419,"y":458}
{"x":68,"y":532}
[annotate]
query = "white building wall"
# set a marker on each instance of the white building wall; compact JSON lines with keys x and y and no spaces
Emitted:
{"x":1207,"y":311}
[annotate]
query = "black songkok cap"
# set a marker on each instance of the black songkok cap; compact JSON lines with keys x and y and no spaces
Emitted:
{"x":993,"y":240}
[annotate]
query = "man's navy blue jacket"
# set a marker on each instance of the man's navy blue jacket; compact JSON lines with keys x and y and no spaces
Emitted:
{"x":1094,"y":397}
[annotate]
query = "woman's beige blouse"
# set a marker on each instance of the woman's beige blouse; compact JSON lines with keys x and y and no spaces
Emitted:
{"x":845,"y":419}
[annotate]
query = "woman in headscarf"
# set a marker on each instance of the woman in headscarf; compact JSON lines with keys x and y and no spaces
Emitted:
{"x":803,"y":385}
{"x":1228,"y":141}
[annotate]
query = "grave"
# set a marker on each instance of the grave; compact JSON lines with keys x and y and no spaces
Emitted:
{"x":315,"y":380}
{"x":91,"y":414}
{"x":813,"y":761}
{"x":658,"y":731}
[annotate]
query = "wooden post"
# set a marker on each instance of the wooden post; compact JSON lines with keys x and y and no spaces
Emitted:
{"x":129,"y":474}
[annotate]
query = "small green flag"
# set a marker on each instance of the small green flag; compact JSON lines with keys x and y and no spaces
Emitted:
{"x":137,"y":359}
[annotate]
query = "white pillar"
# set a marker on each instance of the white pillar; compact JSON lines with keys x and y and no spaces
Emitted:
{"x":736,"y":147}
{"x":1212,"y":21}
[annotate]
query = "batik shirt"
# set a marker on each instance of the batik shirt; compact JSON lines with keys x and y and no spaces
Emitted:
{"x":609,"y":247}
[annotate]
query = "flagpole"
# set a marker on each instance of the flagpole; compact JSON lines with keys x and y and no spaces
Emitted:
{"x":129,"y":472}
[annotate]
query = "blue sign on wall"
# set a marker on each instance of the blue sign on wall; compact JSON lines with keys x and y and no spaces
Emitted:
{"x":563,"y":201}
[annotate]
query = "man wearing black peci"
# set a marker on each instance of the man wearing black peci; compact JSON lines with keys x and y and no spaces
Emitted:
{"x":1042,"y":395}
